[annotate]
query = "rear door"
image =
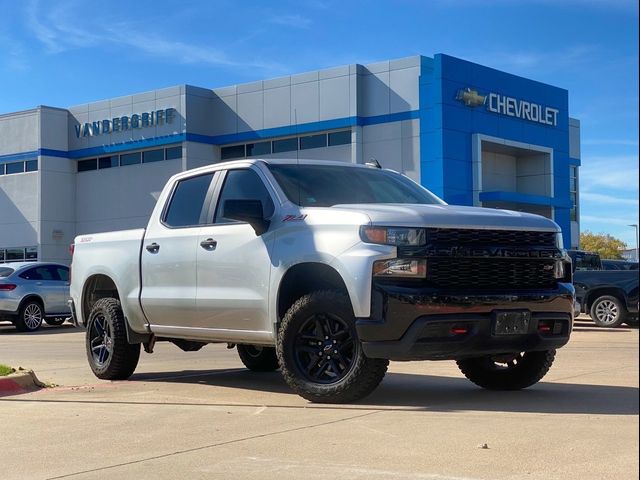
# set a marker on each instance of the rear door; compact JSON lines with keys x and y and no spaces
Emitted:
{"x":43,"y":281}
{"x":168,"y":257}
{"x":234,"y":263}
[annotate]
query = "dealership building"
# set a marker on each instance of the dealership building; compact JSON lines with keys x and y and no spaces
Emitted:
{"x":470,"y":134}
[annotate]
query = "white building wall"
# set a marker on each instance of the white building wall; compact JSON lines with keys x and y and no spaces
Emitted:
{"x":19,"y":209}
{"x":120,"y":198}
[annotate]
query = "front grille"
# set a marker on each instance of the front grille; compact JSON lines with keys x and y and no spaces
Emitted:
{"x":490,"y":273}
{"x":461,"y":236}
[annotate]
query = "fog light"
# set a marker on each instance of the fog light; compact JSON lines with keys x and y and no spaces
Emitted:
{"x":400,"y":268}
{"x":459,"y":330}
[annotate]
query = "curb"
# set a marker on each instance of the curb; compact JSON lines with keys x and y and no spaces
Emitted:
{"x":22,"y":381}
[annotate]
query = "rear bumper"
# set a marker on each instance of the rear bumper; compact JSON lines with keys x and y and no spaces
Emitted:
{"x":428,"y":324}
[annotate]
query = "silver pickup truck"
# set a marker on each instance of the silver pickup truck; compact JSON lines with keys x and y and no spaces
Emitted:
{"x":327,"y":271}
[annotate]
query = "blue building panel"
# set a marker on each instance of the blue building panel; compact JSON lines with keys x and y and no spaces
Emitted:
{"x":460,"y":99}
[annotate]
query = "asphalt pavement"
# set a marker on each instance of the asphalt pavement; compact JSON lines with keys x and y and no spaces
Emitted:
{"x":202,"y":415}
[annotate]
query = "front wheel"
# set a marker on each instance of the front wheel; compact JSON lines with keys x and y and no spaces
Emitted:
{"x":320,"y":355}
{"x":257,"y":358}
{"x":512,"y":371}
{"x":110,"y":355}
{"x":607,"y":311}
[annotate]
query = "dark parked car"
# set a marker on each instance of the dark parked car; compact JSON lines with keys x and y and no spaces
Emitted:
{"x":619,"y":265}
{"x":609,"y":296}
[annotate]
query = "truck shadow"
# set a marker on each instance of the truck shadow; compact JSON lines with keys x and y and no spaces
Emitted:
{"x":431,"y":393}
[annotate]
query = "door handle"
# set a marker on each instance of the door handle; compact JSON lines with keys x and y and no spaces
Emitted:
{"x":153,"y":248}
{"x":209,"y":244}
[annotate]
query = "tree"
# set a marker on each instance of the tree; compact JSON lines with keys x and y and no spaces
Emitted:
{"x":602,"y":243}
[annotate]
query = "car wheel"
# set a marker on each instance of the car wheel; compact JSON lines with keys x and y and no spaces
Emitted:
{"x":110,"y":355}
{"x":320,"y":355}
{"x":513,"y":371}
{"x":607,"y":311}
{"x":55,"y":321}
{"x":30,"y":316}
{"x":257,"y":358}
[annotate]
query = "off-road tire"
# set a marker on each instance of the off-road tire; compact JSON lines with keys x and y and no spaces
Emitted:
{"x":526,"y":369}
{"x":121,"y":361}
{"x":55,"y":322}
{"x":258,"y":358}
{"x":600,"y":308}
{"x":29,"y":311}
{"x":360,"y":375}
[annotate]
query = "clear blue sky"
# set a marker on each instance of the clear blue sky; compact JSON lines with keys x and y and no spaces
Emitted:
{"x":64,"y":53}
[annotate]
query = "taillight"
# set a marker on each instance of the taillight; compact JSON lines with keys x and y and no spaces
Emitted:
{"x":7,"y":286}
{"x":72,"y":247}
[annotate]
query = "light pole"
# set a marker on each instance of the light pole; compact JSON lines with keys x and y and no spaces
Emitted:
{"x":635,"y":225}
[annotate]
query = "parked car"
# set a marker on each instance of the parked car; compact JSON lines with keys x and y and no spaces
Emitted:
{"x":619,"y":265}
{"x":608,"y":295}
{"x":33,"y":292}
{"x":327,"y":271}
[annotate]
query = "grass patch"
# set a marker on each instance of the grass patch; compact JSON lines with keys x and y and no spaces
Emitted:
{"x":5,"y":370}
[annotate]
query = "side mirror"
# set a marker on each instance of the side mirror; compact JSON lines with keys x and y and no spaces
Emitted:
{"x":249,"y":211}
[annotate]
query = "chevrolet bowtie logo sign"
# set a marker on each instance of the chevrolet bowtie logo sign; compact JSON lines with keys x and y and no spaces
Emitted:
{"x":471,"y":98}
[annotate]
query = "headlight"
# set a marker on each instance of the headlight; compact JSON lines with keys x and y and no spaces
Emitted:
{"x":559,"y":241}
{"x":400,"y":268}
{"x":558,"y":271}
{"x":396,"y":236}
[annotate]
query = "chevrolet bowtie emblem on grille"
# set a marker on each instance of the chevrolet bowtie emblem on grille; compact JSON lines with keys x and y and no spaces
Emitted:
{"x":470,"y":98}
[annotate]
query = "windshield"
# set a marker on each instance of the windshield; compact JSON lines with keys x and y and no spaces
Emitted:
{"x":328,"y":185}
{"x":5,"y":272}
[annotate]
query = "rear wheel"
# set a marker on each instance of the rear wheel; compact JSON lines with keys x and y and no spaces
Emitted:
{"x":257,"y":358}
{"x":110,"y":355}
{"x":30,"y":316}
{"x":320,"y":355}
{"x":513,"y":371}
{"x":608,"y":311}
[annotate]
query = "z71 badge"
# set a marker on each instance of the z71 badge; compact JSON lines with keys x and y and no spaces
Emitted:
{"x":294,"y":218}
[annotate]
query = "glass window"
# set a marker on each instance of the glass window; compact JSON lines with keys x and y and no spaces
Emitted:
{"x":40,"y":273}
{"x":86,"y":165}
{"x":313,"y":141}
{"x":2,"y":169}
{"x":243,"y":185}
{"x":63,"y":273}
{"x":16,"y":167}
{"x":285,"y":145}
{"x":14,"y":254}
{"x":108,"y":162}
{"x":1,"y":255}
{"x":129,"y":158}
{"x":31,"y":166}
{"x":5,"y":272}
{"x":31,"y":253}
{"x":327,"y":185}
{"x":260,"y":148}
{"x":235,"y":151}
{"x":173,"y":152}
{"x":187,"y":201}
{"x":153,"y":156}
{"x":340,"y":138}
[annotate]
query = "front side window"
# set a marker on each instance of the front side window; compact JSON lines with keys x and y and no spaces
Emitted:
{"x":187,"y":201}
{"x":328,"y":185}
{"x":63,"y":273}
{"x":243,"y":185}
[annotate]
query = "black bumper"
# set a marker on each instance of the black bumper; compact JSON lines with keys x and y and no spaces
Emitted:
{"x":429,"y":324}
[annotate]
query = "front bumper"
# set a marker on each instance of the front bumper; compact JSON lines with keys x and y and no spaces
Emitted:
{"x":430,"y":324}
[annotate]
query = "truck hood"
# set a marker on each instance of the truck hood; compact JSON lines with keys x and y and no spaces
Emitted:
{"x":450,"y":216}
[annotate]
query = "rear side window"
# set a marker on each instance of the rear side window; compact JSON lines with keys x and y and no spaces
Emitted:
{"x":243,"y":185}
{"x":40,"y":273}
{"x":63,"y":273}
{"x":5,"y":272}
{"x":187,"y":201}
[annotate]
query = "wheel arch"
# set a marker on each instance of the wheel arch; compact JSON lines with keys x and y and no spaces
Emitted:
{"x":32,"y":296}
{"x":97,"y":286}
{"x":303,"y":278}
{"x":596,"y":293}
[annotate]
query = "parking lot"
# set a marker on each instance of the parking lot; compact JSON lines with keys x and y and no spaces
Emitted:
{"x":201,"y":415}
